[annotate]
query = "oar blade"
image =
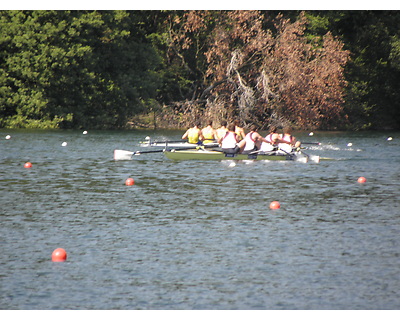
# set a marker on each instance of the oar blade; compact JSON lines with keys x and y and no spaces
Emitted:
{"x":308,"y":158}
{"x":127,"y":155}
{"x":302,"y":159}
{"x":315,"y":143}
{"x":122,"y":155}
{"x":315,"y":159}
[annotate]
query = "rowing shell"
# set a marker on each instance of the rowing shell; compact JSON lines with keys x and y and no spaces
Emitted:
{"x":202,"y":154}
{"x":217,"y":155}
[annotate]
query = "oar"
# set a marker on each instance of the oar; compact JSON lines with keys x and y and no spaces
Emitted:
{"x":315,"y":159}
{"x":159,"y":141}
{"x":122,"y":155}
{"x":167,"y":141}
{"x":316,"y":143}
{"x":290,"y":155}
{"x":127,"y":155}
{"x":307,"y":156}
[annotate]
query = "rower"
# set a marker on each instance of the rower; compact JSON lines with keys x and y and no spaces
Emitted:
{"x":239,"y":130}
{"x":209,"y":134}
{"x":222,"y":130}
{"x":193,"y":134}
{"x":230,"y":143}
{"x":290,"y":141}
{"x":273,"y":139}
{"x":253,"y":140}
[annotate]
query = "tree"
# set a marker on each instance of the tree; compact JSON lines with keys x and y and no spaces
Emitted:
{"x":261,"y":75}
{"x":73,"y":68}
{"x":307,"y":76}
{"x":372,"y":96}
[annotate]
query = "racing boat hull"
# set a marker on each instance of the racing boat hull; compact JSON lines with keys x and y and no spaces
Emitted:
{"x":217,"y":155}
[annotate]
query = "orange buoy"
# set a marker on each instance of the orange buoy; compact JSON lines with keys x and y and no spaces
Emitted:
{"x":28,"y":165}
{"x":361,"y":180}
{"x":130,"y":182}
{"x":59,"y":255}
{"x":274,"y":205}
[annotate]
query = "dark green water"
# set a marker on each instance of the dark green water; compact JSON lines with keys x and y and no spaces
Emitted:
{"x":197,"y":235}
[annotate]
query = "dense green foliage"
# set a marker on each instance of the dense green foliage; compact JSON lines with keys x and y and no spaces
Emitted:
{"x":373,"y":73}
{"x":99,"y":69}
{"x":73,"y":68}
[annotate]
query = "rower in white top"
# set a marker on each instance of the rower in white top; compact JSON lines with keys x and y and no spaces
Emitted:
{"x":290,"y":141}
{"x":230,"y":143}
{"x":273,"y":140}
{"x":253,"y":141}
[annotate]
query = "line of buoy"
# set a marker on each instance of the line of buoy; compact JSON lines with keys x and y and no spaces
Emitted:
{"x":60,"y":255}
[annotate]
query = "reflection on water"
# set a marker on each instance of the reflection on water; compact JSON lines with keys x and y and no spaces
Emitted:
{"x":197,"y":235}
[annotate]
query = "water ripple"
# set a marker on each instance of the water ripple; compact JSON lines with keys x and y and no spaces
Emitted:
{"x":197,"y":234}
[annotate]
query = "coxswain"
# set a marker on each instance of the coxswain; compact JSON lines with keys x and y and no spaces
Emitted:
{"x":230,"y":143}
{"x":208,"y":133}
{"x":253,"y":140}
{"x":193,"y":134}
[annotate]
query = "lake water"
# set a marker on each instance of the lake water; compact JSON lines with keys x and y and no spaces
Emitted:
{"x":193,"y":235}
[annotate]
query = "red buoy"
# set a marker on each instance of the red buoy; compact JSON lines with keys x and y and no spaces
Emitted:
{"x":130,"y":182}
{"x":59,"y":255}
{"x":361,"y":180}
{"x":28,"y":165}
{"x":274,"y":205}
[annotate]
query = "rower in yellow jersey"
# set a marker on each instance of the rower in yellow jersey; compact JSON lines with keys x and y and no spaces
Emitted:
{"x":209,"y":134}
{"x":193,"y":134}
{"x":222,"y":130}
{"x":239,"y":130}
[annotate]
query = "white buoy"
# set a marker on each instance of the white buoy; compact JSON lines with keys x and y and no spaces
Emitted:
{"x":147,"y":138}
{"x":311,"y":134}
{"x":349,"y":144}
{"x":8,"y":137}
{"x":84,"y":132}
{"x":64,"y":144}
{"x":390,"y":138}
